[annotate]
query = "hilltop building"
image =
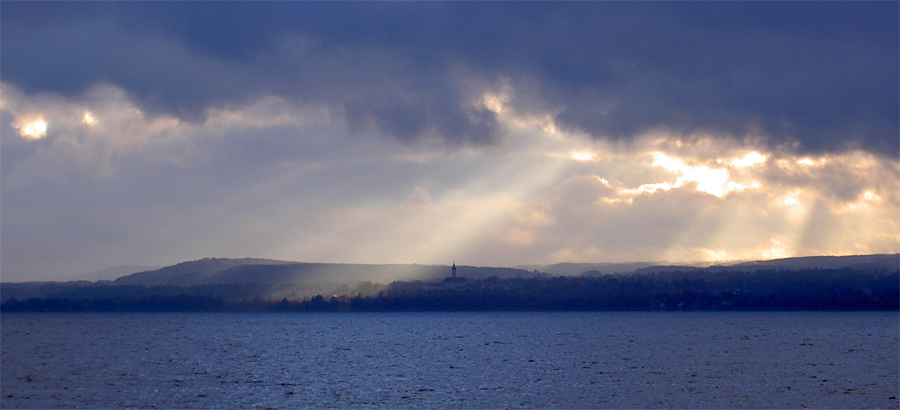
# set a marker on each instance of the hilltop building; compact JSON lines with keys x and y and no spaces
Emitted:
{"x":454,"y":280}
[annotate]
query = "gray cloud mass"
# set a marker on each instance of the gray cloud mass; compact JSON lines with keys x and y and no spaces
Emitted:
{"x":823,"y":75}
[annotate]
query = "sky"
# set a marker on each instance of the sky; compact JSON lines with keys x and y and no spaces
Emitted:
{"x":486,"y":134}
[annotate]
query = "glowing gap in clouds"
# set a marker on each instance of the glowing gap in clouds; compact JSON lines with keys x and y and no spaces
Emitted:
{"x":647,"y":188}
{"x":582,"y":156}
{"x":751,"y":159}
{"x":34,"y":130}
{"x":715,"y":182}
{"x":88,"y":118}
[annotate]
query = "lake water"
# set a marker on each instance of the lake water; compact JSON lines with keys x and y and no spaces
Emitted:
{"x":450,"y":360}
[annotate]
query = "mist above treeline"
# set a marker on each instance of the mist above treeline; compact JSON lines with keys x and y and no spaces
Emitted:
{"x":867,"y":282}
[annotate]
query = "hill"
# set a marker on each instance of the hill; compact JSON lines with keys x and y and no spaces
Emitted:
{"x":577,"y":269}
{"x":251,"y":278}
{"x":883,"y":261}
{"x":199,"y":272}
{"x":212,"y":271}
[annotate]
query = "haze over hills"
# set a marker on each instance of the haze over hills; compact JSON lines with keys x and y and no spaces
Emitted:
{"x":576,"y":269}
{"x":256,"y":278}
{"x":886,"y":261}
{"x":113,"y":273}
{"x":210,"y":271}
{"x":822,"y":282}
{"x":879,"y":261}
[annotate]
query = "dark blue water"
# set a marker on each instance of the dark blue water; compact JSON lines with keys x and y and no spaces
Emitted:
{"x":450,"y":360}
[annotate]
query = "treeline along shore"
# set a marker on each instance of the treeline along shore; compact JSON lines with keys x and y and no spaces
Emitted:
{"x":696,"y":290}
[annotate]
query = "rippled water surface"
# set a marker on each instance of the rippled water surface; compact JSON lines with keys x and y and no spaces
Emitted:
{"x":450,"y":360}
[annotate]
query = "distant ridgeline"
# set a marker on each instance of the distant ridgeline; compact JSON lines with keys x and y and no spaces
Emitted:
{"x":820,"y":283}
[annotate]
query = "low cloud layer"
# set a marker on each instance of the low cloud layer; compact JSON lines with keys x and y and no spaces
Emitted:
{"x":486,"y":134}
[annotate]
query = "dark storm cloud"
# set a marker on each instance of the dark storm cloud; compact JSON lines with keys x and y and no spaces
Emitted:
{"x":821,"y":74}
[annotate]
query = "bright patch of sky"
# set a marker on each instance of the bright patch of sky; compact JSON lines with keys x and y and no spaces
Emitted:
{"x":88,"y":118}
{"x":32,"y":129}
